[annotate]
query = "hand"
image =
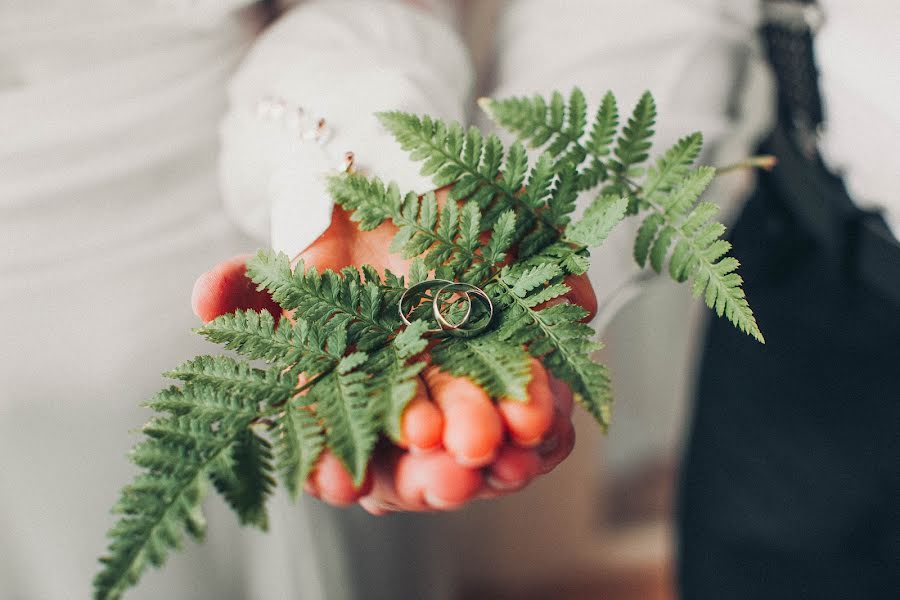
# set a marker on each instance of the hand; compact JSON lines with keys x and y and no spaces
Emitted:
{"x":457,"y":444}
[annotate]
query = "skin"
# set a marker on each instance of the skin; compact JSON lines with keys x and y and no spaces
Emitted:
{"x":457,"y":444}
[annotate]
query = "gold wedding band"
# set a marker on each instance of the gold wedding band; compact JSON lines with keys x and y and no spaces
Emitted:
{"x":412,"y":298}
{"x":464,"y":328}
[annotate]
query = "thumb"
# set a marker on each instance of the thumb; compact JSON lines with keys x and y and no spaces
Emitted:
{"x":226,"y":288}
{"x":334,"y":248}
{"x":582,"y":293}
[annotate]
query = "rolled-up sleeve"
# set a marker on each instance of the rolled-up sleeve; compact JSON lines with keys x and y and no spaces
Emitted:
{"x":307,"y":94}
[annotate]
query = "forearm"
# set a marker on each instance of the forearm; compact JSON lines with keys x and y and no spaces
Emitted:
{"x":321,"y":72}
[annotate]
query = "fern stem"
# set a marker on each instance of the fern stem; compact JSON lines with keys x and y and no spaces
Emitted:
{"x":399,"y":219}
{"x":535,"y":316}
{"x":277,"y":406}
{"x":766,"y":162}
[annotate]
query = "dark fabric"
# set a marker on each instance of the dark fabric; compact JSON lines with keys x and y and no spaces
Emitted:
{"x":790,"y":486}
{"x":790,"y":51}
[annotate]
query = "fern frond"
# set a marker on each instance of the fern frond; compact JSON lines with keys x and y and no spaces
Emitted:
{"x":256,"y":335}
{"x":633,"y":145}
{"x":555,"y":334}
{"x":631,"y":150}
{"x":203,"y":404}
{"x":449,"y":155}
{"x":231,"y":377}
{"x":606,"y":123}
{"x":161,"y":504}
{"x":441,"y":147}
{"x":244,"y":478}
{"x":557,"y":125}
{"x":501,"y":238}
{"x":599,"y":219}
{"x":699,"y":252}
{"x":672,"y":166}
{"x":564,"y":195}
{"x":299,"y":441}
{"x":394,"y":379}
{"x":442,"y":237}
{"x":341,"y":402}
{"x":154,"y":528}
{"x":561,"y":128}
{"x":500,"y":369}
{"x":340,"y":299}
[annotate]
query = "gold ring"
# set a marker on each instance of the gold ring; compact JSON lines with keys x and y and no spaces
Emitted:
{"x":464,"y":328}
{"x":410,"y":301}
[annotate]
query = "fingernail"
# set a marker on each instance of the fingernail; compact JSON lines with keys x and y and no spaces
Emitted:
{"x":372,"y":506}
{"x":503,"y":486}
{"x":474,"y":463}
{"x":197,"y":293}
{"x":435,"y":502}
{"x":527,"y":442}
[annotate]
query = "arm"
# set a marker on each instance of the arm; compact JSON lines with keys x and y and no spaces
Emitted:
{"x":333,"y":62}
{"x":352,"y":61}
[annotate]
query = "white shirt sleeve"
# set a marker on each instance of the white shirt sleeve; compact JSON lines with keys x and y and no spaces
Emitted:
{"x":689,"y":54}
{"x":306,"y":95}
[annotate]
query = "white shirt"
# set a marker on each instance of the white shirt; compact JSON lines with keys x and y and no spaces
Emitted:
{"x":858,"y":52}
{"x":694,"y":55}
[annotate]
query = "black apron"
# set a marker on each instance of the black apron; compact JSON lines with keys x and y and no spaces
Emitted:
{"x":790,"y":484}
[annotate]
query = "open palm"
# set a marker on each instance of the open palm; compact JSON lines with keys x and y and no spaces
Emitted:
{"x":457,"y":443}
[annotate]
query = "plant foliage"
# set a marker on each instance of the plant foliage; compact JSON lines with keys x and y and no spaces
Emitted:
{"x":340,"y":372}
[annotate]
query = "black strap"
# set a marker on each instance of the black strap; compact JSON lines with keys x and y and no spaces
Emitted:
{"x":859,"y":241}
{"x":788,"y":29}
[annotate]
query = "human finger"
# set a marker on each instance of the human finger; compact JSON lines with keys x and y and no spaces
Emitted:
{"x":422,"y":423}
{"x":559,"y":443}
{"x":435,"y":480}
{"x":562,"y":395}
{"x":473,"y":429}
{"x":332,"y":482}
{"x":581,"y":292}
{"x":383,"y":498}
{"x":528,"y":421}
{"x":226,"y":288}
{"x":513,"y":469}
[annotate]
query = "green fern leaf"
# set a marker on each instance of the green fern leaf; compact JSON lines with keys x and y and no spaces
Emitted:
{"x":502,"y":370}
{"x":598,"y":221}
{"x":699,"y":252}
{"x":501,"y":238}
{"x":525,"y":280}
{"x":244,"y":478}
{"x":229,"y":376}
{"x":633,"y":145}
{"x":672,"y":167}
{"x":557,"y":336}
{"x":255,"y":335}
{"x":162,"y":503}
{"x":563,"y":197}
{"x":341,"y":403}
{"x":299,"y":442}
{"x":606,"y":123}
{"x":341,"y":300}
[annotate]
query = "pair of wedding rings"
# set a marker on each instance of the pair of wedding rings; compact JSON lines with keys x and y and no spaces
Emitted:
{"x":447,"y":294}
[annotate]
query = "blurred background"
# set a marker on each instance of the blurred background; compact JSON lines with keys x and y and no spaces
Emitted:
{"x":111,"y":204}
